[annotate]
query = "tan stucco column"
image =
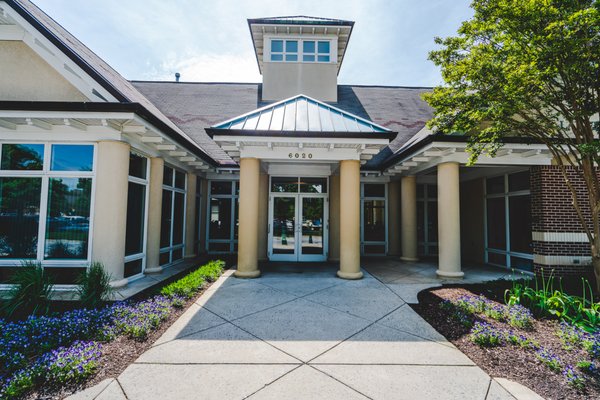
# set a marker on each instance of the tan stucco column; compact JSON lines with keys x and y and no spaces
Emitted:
{"x":449,"y":220}
{"x":247,"y":265}
{"x":394,"y":211}
{"x":409,"y":218}
{"x":350,"y":220}
{"x":190,"y":216}
{"x":110,"y":208}
{"x":157,"y":166}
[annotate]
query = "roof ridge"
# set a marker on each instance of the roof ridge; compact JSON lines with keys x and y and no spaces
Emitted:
{"x":260,"y":83}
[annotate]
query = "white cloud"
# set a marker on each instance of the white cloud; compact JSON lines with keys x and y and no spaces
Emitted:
{"x":208,"y":68}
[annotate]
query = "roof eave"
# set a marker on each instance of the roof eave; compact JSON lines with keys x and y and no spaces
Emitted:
{"x":301,"y":134}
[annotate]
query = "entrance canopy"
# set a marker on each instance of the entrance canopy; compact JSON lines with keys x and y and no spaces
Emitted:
{"x":301,"y":129}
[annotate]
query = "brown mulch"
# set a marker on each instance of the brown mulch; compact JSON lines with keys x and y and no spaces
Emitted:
{"x":117,"y":355}
{"x":508,"y":361}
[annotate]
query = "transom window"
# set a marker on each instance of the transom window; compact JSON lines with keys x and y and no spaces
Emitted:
{"x":283,"y":50}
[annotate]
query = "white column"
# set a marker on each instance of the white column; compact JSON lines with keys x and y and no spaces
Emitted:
{"x":157,"y":166}
{"x":449,"y":220}
{"x":409,"y":218}
{"x":110,"y":208}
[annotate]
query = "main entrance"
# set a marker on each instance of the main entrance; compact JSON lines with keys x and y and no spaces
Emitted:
{"x":298,"y":219}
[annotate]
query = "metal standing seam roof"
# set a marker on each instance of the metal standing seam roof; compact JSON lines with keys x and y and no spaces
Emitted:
{"x":301,"y":20}
{"x":301,"y":114}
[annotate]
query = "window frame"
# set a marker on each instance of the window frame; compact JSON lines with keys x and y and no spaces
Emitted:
{"x":267,"y":57}
{"x":506,"y":194}
{"x":234,"y":197}
{"x":46,"y":174}
{"x":146,"y":183}
{"x":171,"y":248}
{"x":364,"y":198}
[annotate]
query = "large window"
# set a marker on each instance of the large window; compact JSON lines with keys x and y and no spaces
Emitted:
{"x":198,"y":221}
{"x":427,"y":222}
{"x":222,"y":227}
{"x":135,"y":238}
{"x":172,"y":216}
{"x":508,"y":221}
{"x":45,"y":207}
{"x":374,"y":226}
{"x":294,"y":50}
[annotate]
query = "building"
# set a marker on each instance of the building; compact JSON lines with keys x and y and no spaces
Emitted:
{"x":141,"y":175}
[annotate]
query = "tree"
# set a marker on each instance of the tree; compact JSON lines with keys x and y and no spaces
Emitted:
{"x":528,"y":68}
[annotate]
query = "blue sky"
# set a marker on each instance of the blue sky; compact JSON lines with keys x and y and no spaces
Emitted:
{"x":209,"y":40}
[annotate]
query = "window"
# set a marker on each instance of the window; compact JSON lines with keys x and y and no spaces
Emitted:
{"x":508,"y":221}
{"x":197,"y":222}
{"x":222,"y":216}
{"x":172,"y":216}
{"x":45,"y":207}
{"x":135,"y":243}
{"x":315,"y":51}
{"x":427,"y":222}
{"x":374,"y":224}
{"x":283,"y":50}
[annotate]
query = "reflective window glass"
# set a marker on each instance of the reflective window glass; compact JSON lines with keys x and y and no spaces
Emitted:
{"x":220,"y":187}
{"x":323,"y":47}
{"x":68,"y":220}
{"x":178,"y":222}
{"x":220,"y":218}
{"x":22,"y":157}
{"x":308,"y":46}
{"x":374,"y":190}
{"x":313,"y":185}
{"x":323,"y":58}
{"x":179,"y":180}
{"x":374,"y":220}
{"x":72,"y":157}
{"x":137,"y":166}
{"x":291,"y":46}
{"x":284,"y":184}
{"x":495,"y":185}
{"x":496,"y":223}
{"x":276,"y":57}
{"x":165,"y":219}
{"x":136,"y":202}
{"x":518,"y":181}
{"x":19,"y":217}
{"x":276,"y":46}
{"x":133,"y":268}
{"x":168,"y":176}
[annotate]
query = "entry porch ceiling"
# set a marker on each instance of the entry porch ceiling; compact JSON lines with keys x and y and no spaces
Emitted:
{"x":77,"y":126}
{"x":428,"y":157}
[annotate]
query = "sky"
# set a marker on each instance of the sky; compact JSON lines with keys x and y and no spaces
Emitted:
{"x":209,"y":40}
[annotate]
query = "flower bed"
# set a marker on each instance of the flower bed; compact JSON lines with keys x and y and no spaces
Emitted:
{"x":54,"y":351}
{"x":557,"y":359}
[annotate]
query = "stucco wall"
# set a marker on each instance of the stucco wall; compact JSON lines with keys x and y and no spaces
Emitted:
{"x":471,"y":221}
{"x":283,"y":80}
{"x":334,"y":218}
{"x":26,"y":76}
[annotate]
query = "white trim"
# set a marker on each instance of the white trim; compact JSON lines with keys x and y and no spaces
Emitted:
{"x":562,"y":260}
{"x":298,"y":196}
{"x":566,"y":237}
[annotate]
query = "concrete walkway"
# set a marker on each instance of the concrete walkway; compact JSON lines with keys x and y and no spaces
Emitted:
{"x":302,"y":333}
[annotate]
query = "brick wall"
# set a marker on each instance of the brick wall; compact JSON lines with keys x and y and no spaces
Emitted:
{"x":552,"y":211}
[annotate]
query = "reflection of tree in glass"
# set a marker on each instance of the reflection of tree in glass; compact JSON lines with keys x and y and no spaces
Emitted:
{"x":19,"y":212}
{"x":21,"y":157}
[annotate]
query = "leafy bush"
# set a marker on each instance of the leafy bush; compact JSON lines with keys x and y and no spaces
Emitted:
{"x":546,"y":301}
{"x":486,"y":335}
{"x":94,"y":286}
{"x":189,"y":285}
{"x":30,"y":294}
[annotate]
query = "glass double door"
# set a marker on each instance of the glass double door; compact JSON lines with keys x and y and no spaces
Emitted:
{"x":298,"y":227}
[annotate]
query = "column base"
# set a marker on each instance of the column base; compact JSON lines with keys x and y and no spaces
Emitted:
{"x":350,"y":275}
{"x":156,"y":270}
{"x":449,"y":274}
{"x":409,"y":259}
{"x":119,"y":284}
{"x":247,"y":274}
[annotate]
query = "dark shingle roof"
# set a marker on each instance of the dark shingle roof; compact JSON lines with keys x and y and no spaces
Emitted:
{"x":197,"y":106}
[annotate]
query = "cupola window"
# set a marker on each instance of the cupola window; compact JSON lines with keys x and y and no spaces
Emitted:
{"x":311,"y":50}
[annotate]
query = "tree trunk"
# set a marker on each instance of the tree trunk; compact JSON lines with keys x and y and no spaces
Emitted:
{"x":596,"y":261}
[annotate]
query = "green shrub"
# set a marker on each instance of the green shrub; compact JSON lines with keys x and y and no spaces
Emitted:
{"x":30,"y":294}
{"x":193,"y":282}
{"x":94,"y":286}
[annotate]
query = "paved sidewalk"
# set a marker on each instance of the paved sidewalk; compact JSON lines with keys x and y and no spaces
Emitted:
{"x":302,"y":334}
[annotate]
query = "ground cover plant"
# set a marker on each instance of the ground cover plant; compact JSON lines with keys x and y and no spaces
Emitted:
{"x":539,"y":336}
{"x":52,"y":352}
